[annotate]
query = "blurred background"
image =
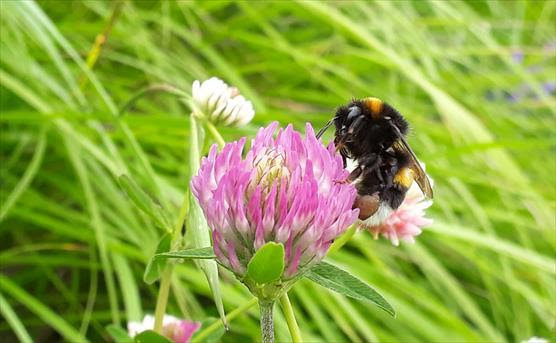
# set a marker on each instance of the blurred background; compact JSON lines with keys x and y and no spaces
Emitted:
{"x":476,"y":80}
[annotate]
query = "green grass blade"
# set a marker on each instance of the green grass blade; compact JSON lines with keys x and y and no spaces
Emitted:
{"x":40,"y":309}
{"x":128,"y":288}
{"x":99,"y":228}
{"x":13,"y":320}
{"x":27,"y":177}
{"x":532,"y":258}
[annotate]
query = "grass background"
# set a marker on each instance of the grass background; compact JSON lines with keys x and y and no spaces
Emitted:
{"x":469,"y":77}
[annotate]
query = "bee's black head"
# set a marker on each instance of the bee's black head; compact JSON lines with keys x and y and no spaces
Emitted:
{"x":374,"y":110}
{"x":349,"y":115}
{"x":366,"y":125}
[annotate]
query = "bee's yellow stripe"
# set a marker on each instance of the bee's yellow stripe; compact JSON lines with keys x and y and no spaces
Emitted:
{"x":375,"y":105}
{"x":404,"y":177}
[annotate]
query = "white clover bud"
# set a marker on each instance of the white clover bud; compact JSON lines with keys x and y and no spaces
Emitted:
{"x":221,"y":104}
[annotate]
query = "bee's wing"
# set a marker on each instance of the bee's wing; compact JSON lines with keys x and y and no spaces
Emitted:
{"x":420,"y":176}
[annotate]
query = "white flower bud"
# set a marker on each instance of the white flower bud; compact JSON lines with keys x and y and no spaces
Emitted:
{"x":219,"y":103}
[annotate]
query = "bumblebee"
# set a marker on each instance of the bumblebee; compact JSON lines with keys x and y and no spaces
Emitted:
{"x":371,"y":137}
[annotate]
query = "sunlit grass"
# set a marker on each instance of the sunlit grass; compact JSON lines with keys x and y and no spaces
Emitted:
{"x":74,"y":249}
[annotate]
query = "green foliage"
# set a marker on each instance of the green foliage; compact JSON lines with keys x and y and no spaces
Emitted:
{"x":118,"y":334}
{"x":481,"y":120}
{"x":338,"y":280}
{"x":155,"y":267}
{"x":144,"y":202}
{"x":150,"y":336}
{"x":267,"y":265}
{"x":200,"y":253}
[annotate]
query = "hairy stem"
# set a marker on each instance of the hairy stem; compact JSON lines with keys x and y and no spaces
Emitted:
{"x":267,"y":321}
{"x":162,"y":299}
{"x":217,"y":136}
{"x":166,"y":280}
{"x":290,"y":318}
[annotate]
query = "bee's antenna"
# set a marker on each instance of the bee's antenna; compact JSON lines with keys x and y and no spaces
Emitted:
{"x":323,"y":130}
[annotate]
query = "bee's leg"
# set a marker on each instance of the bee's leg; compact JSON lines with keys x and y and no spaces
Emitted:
{"x":386,"y":175}
{"x":351,"y":177}
{"x":370,"y":162}
{"x":354,"y":174}
{"x":392,"y":171}
{"x":391,"y":174}
{"x":380,"y":177}
{"x":389,"y":178}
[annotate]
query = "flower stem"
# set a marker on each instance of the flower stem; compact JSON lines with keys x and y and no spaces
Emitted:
{"x":290,"y":318}
{"x":267,"y":321}
{"x":214,"y":132}
{"x":166,"y":280}
{"x":162,"y":299}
